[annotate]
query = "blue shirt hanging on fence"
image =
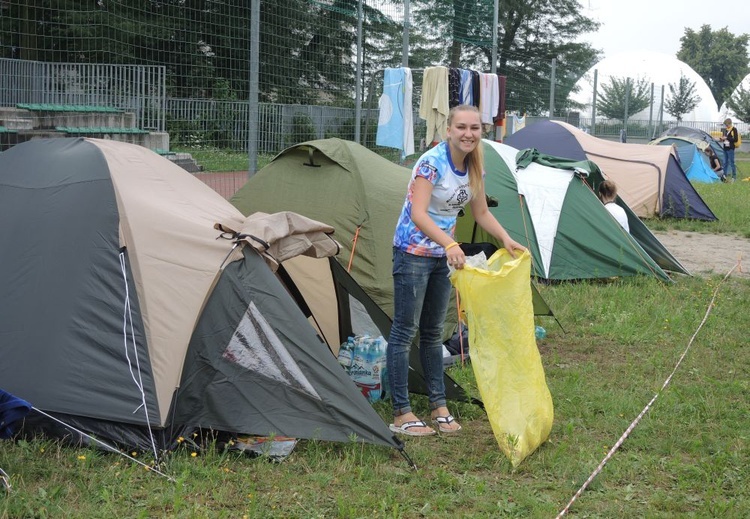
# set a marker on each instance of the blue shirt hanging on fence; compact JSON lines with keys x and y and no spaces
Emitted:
{"x":467,"y":88}
{"x":395,"y":124}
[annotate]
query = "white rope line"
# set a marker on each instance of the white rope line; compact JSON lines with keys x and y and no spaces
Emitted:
{"x":648,"y":406}
{"x":105,"y":445}
{"x":128,"y":322}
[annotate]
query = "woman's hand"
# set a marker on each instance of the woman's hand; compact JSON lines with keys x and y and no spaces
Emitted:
{"x":513,"y":246}
{"x":456,"y":257}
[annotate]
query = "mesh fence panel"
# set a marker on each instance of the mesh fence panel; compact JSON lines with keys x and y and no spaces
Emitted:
{"x":174,"y":75}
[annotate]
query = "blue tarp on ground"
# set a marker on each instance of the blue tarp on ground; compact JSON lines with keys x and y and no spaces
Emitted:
{"x":12,"y":409}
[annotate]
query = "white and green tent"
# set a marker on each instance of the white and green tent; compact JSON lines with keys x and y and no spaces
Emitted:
{"x":548,"y":205}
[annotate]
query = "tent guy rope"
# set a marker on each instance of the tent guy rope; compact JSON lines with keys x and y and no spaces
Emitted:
{"x":635,"y":422}
{"x":128,"y":323}
{"x":106,"y":445}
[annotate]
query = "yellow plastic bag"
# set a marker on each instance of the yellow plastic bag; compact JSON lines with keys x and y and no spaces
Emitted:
{"x":504,"y":355}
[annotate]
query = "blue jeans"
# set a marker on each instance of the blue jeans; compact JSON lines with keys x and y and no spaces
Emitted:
{"x":729,"y":165}
{"x":421,"y":291}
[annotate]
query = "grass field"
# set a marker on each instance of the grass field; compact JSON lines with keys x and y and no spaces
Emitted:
{"x":688,"y":456}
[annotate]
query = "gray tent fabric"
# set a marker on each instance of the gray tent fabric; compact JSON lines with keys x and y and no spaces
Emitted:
{"x":60,"y":270}
{"x":240,"y":358}
{"x":118,"y":292}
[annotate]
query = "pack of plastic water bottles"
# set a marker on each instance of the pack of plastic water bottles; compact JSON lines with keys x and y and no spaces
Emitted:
{"x":363,"y":358}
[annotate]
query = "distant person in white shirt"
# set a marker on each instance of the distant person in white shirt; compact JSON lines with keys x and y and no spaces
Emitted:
{"x":608,"y":195}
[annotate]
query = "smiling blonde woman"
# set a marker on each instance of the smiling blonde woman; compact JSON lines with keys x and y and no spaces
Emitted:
{"x":444,"y":180}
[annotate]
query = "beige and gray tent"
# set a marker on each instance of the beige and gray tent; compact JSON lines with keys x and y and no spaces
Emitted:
{"x":649,"y":178}
{"x":138,"y":305}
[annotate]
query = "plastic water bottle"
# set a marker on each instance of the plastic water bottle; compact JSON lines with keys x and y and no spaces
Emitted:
{"x":346,"y":354}
{"x":375,"y":366}
{"x":385,"y":388}
{"x":359,"y":352}
{"x":540,"y":333}
{"x":357,"y":370}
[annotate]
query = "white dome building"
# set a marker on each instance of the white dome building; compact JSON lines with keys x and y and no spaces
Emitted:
{"x":657,"y":68}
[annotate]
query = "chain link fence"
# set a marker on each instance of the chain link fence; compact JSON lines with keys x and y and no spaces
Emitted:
{"x":186,"y":70}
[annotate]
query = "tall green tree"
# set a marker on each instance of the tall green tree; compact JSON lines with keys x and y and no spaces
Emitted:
{"x":623,"y":95}
{"x":682,"y":98}
{"x":329,"y":54}
{"x":719,"y":57}
{"x":739,"y":103}
{"x":173,"y":33}
{"x":530,"y":35}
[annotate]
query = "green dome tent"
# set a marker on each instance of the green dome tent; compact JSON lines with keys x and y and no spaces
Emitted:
{"x":352,"y":189}
{"x":360,"y":195}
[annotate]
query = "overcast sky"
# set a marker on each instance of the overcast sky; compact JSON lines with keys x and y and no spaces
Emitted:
{"x":658,"y":25}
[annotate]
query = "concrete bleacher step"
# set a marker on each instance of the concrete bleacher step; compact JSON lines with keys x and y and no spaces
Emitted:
{"x":58,"y":107}
{"x":44,"y":115}
{"x":185,"y":161}
{"x":98,"y":130}
{"x":14,"y":119}
{"x":27,"y":121}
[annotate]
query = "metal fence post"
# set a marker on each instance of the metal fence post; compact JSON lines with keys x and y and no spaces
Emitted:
{"x":358,"y":85}
{"x":593,"y":103}
{"x":493,"y":65}
{"x":552,"y":89}
{"x":627,"y":98}
{"x":252,"y":97}
{"x":405,"y":49}
{"x":651,"y":112}
{"x":661,"y":109}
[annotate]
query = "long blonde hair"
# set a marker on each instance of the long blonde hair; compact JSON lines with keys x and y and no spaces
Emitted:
{"x":475,"y":159}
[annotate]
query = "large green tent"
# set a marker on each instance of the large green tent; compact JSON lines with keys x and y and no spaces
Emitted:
{"x":347,"y":186}
{"x":360,"y":195}
{"x":548,"y":205}
{"x":354,"y":190}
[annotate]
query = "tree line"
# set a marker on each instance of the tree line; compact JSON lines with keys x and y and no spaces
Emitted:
{"x":307,"y":48}
{"x":719,"y":57}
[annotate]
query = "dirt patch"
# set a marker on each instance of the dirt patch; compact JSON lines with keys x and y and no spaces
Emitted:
{"x":704,"y":254}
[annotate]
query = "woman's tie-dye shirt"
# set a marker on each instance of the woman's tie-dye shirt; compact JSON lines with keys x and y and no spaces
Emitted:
{"x":450,"y":193}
